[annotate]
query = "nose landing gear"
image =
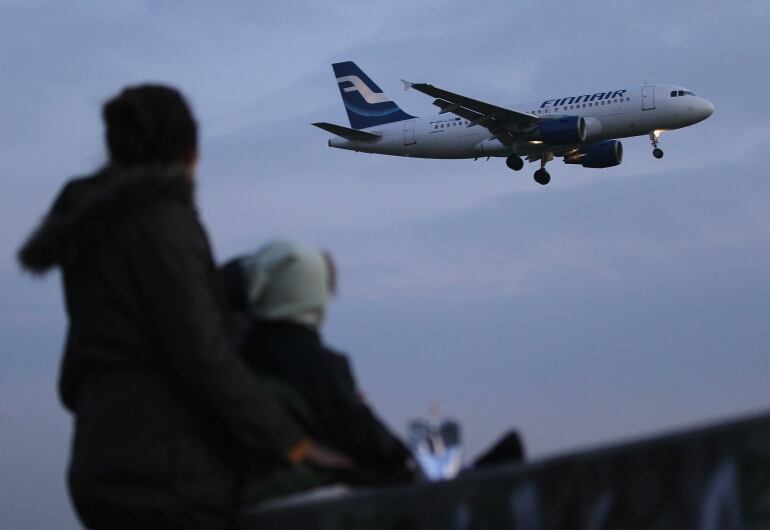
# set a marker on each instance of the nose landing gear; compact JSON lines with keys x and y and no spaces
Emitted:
{"x":656,"y":152}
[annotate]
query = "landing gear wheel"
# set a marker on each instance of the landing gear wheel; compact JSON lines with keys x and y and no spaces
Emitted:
{"x":515,"y":163}
{"x":542,"y":177}
{"x":656,"y":152}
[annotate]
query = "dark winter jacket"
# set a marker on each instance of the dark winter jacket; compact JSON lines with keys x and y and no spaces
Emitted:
{"x":158,"y":397}
{"x":295,"y":355}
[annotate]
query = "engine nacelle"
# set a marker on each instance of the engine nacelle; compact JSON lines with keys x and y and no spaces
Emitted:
{"x":593,"y":129}
{"x":562,"y":131}
{"x":599,"y":155}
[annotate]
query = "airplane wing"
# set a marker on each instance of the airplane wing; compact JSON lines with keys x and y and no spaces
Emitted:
{"x":502,"y":122}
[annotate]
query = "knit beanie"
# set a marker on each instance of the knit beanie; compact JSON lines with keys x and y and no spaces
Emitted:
{"x":288,"y":281}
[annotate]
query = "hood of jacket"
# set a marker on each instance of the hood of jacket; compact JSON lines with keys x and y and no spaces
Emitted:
{"x":87,"y":209}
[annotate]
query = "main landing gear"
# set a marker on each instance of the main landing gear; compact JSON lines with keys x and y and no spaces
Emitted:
{"x":541,"y":175}
{"x":514,"y":162}
{"x":656,"y":152}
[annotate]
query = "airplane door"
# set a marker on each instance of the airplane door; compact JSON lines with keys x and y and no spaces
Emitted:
{"x":648,"y":97}
{"x":409,"y":132}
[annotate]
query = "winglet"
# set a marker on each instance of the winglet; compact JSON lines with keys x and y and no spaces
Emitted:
{"x":407,"y":84}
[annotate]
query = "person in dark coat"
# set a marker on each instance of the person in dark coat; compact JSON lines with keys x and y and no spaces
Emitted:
{"x":157,"y":394}
{"x":285,"y":288}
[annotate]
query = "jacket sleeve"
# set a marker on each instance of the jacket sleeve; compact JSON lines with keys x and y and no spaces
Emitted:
{"x":176,"y":276}
{"x":366,"y":438}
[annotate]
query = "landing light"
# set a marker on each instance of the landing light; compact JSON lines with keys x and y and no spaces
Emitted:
{"x":536,"y":142}
{"x":658,"y":132}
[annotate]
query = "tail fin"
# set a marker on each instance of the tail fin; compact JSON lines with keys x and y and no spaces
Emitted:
{"x":364,"y":101}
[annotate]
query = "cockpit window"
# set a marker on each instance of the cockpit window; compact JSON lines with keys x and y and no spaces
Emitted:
{"x":673,"y":93}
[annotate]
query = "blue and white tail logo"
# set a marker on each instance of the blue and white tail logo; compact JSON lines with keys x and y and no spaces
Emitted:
{"x":364,"y":101}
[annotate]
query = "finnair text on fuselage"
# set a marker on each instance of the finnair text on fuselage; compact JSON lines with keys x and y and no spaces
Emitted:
{"x":584,"y":98}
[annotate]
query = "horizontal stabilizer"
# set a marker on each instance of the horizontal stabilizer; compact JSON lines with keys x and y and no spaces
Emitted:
{"x":348,"y":134}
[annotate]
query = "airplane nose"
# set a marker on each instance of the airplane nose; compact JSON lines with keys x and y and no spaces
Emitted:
{"x":708,"y":108}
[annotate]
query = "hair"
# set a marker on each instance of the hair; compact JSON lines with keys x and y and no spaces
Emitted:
{"x":149,"y":125}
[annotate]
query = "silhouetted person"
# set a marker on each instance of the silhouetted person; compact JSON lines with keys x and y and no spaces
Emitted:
{"x":285,"y":288}
{"x":158,"y":396}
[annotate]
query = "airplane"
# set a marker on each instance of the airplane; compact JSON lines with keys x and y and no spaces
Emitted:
{"x":580,"y":128}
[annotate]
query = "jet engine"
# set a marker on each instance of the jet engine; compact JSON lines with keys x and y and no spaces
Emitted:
{"x":599,"y":155}
{"x":562,"y":131}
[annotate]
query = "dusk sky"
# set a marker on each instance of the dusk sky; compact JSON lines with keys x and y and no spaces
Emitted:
{"x":608,"y":305}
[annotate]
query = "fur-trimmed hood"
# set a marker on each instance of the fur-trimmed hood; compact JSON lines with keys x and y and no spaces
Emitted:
{"x":87,"y":209}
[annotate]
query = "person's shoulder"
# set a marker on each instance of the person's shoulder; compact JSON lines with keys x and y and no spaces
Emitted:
{"x":337,"y":361}
{"x":161,"y":205}
{"x":74,"y":193}
{"x":78,"y":184}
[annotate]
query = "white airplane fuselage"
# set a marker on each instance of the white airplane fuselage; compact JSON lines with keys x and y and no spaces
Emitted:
{"x":640,"y":111}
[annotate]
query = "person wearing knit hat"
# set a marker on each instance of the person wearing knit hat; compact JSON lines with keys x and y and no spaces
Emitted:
{"x":288,"y":281}
{"x":285,"y":288}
